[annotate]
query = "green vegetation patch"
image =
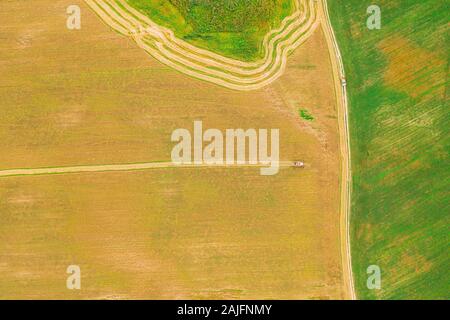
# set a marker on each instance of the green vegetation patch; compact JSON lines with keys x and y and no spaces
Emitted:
{"x":399,"y":118}
{"x":234,"y":28}
{"x":304,"y":114}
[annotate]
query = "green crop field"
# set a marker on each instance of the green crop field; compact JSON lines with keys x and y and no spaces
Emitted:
{"x":398,"y":80}
{"x":234,"y":28}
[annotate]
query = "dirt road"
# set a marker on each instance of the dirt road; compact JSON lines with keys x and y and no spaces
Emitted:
{"x":346,"y":174}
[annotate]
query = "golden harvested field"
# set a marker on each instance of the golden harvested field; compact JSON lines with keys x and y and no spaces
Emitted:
{"x":93,"y":97}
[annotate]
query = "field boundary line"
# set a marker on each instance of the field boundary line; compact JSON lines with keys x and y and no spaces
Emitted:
{"x":346,"y":178}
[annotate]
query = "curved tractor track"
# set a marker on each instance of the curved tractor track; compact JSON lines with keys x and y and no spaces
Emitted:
{"x":163,"y":45}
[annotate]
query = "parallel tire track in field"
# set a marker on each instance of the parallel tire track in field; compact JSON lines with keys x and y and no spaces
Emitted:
{"x":127,"y":167}
{"x":163,"y":45}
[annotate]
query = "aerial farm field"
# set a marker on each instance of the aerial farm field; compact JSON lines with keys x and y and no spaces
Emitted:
{"x":398,"y":86}
{"x":94,"y":97}
{"x":90,"y":113}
